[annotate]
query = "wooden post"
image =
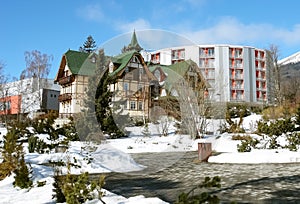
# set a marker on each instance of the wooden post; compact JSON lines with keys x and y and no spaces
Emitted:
{"x":204,"y":151}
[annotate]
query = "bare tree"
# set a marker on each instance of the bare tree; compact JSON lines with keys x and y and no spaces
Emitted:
{"x":37,"y":67}
{"x":274,"y":76}
{"x":290,"y":89}
{"x":4,"y":106}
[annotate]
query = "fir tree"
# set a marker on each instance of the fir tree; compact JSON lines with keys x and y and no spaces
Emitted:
{"x":146,"y":132}
{"x":11,"y":153}
{"x":76,"y":188}
{"x":104,"y":112}
{"x":58,"y":183}
{"x":98,"y":103}
{"x":86,"y":123}
{"x":22,"y":178}
{"x":89,"y":45}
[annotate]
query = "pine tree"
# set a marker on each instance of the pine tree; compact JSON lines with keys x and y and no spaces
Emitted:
{"x":146,"y":132}
{"x":89,"y":45}
{"x":86,"y":124}
{"x":104,"y":112}
{"x":58,"y":183}
{"x":98,"y":103}
{"x":22,"y":178}
{"x":11,"y":153}
{"x":76,"y":189}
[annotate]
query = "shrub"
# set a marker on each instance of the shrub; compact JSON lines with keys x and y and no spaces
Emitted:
{"x":277,"y":112}
{"x":294,"y":141}
{"x":32,"y":143}
{"x":76,"y":188}
{"x":297,"y":121}
{"x":41,"y":183}
{"x":247,"y":145}
{"x":41,"y":146}
{"x":278,"y":127}
{"x":69,"y":131}
{"x":138,"y":123}
{"x":240,"y":137}
{"x":146,"y":132}
{"x":235,"y":111}
{"x":57,"y":187}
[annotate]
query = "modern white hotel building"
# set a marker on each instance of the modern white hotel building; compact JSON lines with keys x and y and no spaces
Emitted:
{"x":235,"y":73}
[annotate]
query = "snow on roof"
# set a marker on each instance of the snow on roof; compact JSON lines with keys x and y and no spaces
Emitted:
{"x":294,"y":58}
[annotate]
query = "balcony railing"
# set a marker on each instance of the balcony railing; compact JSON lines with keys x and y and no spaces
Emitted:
{"x":237,"y":87}
{"x":66,"y":80}
{"x":65,"y":97}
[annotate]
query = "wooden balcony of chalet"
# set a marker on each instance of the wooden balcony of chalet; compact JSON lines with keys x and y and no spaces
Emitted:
{"x":66,"y":80}
{"x":64,"y":97}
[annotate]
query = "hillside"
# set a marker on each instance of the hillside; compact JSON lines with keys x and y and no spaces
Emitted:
{"x":291,"y":70}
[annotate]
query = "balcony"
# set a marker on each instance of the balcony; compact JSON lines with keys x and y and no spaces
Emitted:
{"x":65,"y":97}
{"x":66,"y":80}
{"x":261,"y":88}
{"x":236,"y":76}
{"x":237,"y":87}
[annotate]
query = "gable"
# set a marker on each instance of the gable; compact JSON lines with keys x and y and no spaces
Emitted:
{"x":78,"y":63}
{"x":128,"y":62}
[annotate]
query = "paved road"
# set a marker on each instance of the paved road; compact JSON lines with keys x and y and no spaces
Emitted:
{"x":257,"y":183}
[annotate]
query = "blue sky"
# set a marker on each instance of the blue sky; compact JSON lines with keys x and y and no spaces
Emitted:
{"x":55,"y":26}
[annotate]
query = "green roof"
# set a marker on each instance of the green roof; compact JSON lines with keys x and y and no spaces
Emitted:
{"x":79,"y":63}
{"x":182,"y":67}
{"x":122,"y":60}
{"x":174,"y":72}
{"x":172,"y":76}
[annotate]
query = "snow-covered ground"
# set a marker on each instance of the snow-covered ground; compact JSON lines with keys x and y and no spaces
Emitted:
{"x":112,"y":156}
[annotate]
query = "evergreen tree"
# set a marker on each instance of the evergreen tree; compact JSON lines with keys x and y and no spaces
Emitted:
{"x":57,"y":187}
{"x":22,"y":178}
{"x":86,"y":123}
{"x":11,"y":153}
{"x":104,"y":112}
{"x":89,"y":45}
{"x":97,"y":117}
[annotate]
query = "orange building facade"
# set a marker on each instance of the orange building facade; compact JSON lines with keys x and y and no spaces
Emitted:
{"x":10,"y":105}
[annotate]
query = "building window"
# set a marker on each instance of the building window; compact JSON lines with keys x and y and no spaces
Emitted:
{"x":132,"y":105}
{"x":202,"y":52}
{"x":201,"y":63}
{"x":211,"y":52}
{"x":140,"y":87}
{"x":126,"y":70}
{"x":157,"y":75}
{"x":141,"y":70}
{"x":126,"y":86}
{"x":125,"y":105}
{"x":140,"y":105}
{"x":5,"y":105}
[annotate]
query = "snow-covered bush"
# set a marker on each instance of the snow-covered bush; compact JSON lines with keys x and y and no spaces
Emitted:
{"x":247,"y":145}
